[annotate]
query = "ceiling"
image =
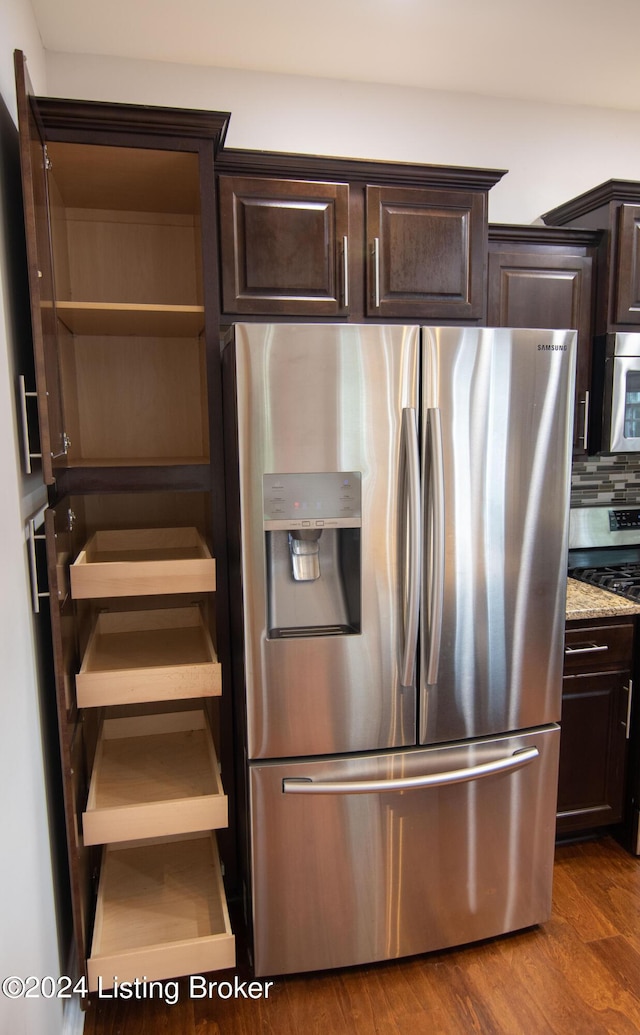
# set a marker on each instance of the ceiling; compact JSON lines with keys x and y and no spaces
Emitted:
{"x":566,"y":51}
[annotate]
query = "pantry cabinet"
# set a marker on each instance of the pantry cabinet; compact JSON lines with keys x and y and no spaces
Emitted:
{"x":310,"y":236}
{"x":120,"y":223}
{"x":546,"y":277}
{"x":596,"y":704}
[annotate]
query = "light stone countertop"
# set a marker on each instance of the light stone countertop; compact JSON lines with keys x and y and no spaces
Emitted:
{"x":585,"y":601}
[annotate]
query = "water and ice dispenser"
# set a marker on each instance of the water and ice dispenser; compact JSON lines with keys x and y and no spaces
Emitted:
{"x":312,"y":525}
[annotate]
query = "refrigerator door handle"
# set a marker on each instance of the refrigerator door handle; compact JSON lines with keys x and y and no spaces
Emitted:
{"x":412,"y":574}
{"x":437,"y":543}
{"x":508,"y":764}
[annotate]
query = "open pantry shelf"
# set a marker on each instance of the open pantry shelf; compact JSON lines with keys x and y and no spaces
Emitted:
{"x":154,"y":775}
{"x":156,"y":655}
{"x":136,"y":461}
{"x":161,"y":912}
{"x":127,"y":318}
{"x":143,"y":561}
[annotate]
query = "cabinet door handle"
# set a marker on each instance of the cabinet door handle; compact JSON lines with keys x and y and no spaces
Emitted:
{"x":589,"y":648}
{"x":376,"y":272}
{"x":585,"y":429}
{"x":345,"y":272}
{"x":27,"y":454}
{"x":32,"y":535}
{"x":627,"y":725}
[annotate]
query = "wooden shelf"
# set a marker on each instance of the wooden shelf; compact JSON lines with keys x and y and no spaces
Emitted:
{"x":140,"y":656}
{"x":161,"y":912}
{"x":104,"y":318}
{"x":138,"y":461}
{"x":154,"y":775}
{"x":143,"y":561}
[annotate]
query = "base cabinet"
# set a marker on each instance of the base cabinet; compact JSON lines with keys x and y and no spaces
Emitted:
{"x":596,"y":691}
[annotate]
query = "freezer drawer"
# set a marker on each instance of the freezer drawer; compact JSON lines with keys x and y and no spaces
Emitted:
{"x":344,"y":874}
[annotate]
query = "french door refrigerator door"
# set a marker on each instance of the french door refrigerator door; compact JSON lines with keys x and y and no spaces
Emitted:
{"x":374,"y":857}
{"x":496,"y":427}
{"x":326,"y":412}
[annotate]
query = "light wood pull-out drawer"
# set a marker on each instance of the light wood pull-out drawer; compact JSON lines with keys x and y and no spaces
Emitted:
{"x":139,"y":656}
{"x":141,"y":561}
{"x":154,"y":775}
{"x":161,"y":912}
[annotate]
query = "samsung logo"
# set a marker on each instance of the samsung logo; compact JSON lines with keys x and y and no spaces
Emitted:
{"x":551,"y":348}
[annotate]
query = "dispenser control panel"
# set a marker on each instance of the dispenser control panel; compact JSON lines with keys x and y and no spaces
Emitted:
{"x":326,"y":500}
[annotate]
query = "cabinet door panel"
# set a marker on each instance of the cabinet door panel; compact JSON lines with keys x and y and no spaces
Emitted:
{"x":628,"y":287}
{"x":41,"y":276}
{"x":426,"y":253}
{"x":282,"y":246}
{"x":592,"y":751}
{"x":536,"y":289}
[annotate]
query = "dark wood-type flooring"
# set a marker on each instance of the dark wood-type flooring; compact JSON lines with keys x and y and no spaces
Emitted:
{"x":579,"y":974}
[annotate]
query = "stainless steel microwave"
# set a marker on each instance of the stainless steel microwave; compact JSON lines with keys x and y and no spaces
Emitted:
{"x":615,"y":426}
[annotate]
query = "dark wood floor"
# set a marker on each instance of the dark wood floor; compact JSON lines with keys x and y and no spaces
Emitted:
{"x":579,"y":974}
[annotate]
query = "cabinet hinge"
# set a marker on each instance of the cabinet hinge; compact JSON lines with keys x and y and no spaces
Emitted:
{"x":71,"y":520}
{"x":65,"y":443}
{"x":48,"y":164}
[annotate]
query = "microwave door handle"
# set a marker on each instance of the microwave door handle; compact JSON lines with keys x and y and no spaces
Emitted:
{"x":507,"y":764}
{"x":437,"y":543}
{"x":413,"y":564}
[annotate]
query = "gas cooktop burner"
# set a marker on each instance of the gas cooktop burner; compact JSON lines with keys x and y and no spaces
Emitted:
{"x":623,"y":580}
{"x":604,"y":548}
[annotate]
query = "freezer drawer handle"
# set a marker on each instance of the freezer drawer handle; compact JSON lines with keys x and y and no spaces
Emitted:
{"x":590,"y":648}
{"x":295,"y":785}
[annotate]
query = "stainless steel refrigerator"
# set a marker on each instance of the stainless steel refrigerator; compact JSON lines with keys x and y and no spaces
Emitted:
{"x":400,"y":496}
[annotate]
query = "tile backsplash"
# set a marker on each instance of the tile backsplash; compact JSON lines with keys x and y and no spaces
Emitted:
{"x":605,"y":479}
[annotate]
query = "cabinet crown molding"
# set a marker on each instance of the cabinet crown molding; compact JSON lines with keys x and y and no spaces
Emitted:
{"x":612,"y":191}
{"x":62,"y":115}
{"x":240,"y":162}
{"x":537,"y":233}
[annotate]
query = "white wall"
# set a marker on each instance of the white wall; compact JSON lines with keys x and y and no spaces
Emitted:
{"x":552,"y":151}
{"x":29,"y":939}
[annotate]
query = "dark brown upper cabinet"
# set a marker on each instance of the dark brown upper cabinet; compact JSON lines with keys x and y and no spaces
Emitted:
{"x":120,"y":230}
{"x":543,"y":277}
{"x":614,"y":208}
{"x":426,"y":253}
{"x":627,"y":297}
{"x":284,"y":246}
{"x":307,"y":236}
{"x":34,"y":162}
